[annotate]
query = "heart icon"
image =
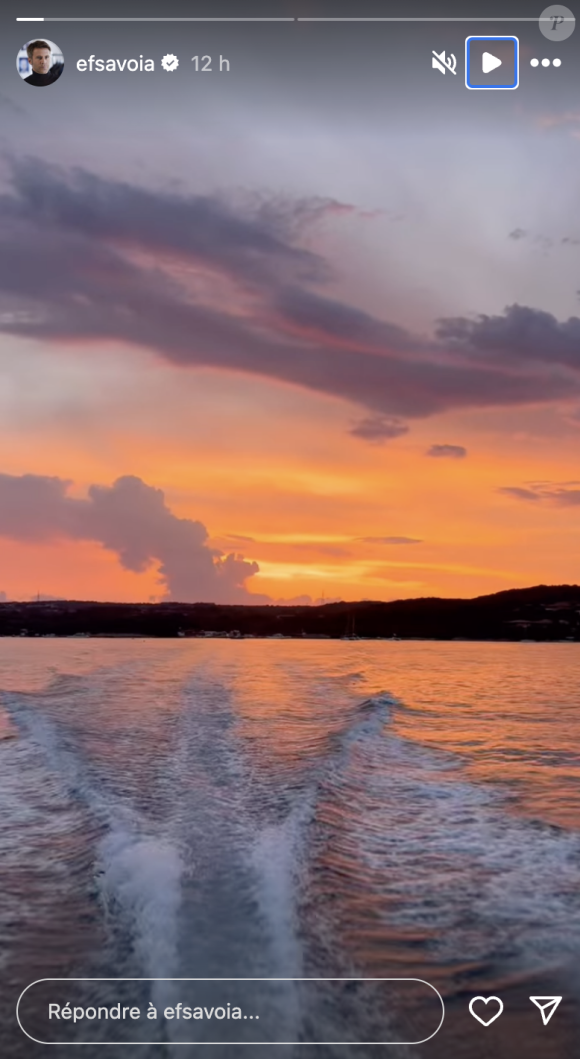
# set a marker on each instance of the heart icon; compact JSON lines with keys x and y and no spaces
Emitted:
{"x":486,"y":1000}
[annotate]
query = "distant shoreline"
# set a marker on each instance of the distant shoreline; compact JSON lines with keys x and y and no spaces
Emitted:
{"x":543,"y":613}
{"x":278,"y":639}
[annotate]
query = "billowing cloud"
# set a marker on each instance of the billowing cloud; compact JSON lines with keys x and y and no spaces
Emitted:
{"x":131,"y":519}
{"x":390,"y":540}
{"x":521,"y":336}
{"x":447,"y":452}
{"x":3,"y":597}
{"x":153,"y":269}
{"x":378,"y":429}
{"x":201,"y":228}
{"x":327,"y":318}
{"x":565,"y":494}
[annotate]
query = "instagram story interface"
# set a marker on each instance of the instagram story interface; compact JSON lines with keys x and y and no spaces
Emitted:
{"x":289,"y":513}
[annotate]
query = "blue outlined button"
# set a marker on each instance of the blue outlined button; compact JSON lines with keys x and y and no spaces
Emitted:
{"x":492,"y":62}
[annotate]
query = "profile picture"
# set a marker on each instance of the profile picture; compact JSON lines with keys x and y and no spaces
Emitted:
{"x":40,"y":62}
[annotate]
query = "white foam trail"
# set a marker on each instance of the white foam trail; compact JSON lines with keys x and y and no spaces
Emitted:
{"x":136,"y":870}
{"x":143,"y":874}
{"x":274,"y":858}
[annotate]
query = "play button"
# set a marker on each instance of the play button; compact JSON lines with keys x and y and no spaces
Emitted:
{"x":492,"y":62}
{"x":489,"y":62}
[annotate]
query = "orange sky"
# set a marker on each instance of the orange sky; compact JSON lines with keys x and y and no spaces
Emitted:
{"x":242,"y":372}
{"x":306,"y":499}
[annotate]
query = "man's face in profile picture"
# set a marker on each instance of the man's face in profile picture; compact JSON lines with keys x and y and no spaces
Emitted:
{"x":40,"y":60}
{"x":45,"y":71}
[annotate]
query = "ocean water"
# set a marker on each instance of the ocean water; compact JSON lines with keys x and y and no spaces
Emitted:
{"x":295,"y":809}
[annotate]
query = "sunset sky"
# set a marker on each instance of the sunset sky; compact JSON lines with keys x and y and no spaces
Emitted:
{"x":274,"y":338}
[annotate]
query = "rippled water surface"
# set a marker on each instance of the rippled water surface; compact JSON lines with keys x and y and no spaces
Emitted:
{"x":295,"y":809}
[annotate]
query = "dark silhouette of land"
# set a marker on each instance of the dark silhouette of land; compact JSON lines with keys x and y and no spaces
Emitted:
{"x":542,"y":613}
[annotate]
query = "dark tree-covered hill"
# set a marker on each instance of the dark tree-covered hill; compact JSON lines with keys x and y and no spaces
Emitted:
{"x":544,"y":612}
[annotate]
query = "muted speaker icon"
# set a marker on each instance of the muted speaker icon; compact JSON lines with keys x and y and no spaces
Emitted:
{"x":441,"y":62}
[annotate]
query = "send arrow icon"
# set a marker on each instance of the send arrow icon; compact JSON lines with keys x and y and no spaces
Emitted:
{"x":547,"y":1006}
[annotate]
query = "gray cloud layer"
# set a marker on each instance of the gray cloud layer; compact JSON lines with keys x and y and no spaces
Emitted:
{"x":132,"y":520}
{"x":522,"y":337}
{"x":447,"y":452}
{"x":76,"y":255}
{"x":566,"y":494}
{"x":378,"y":429}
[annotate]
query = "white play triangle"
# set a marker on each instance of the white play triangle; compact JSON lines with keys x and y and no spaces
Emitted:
{"x":547,"y":1006}
{"x":489,"y":62}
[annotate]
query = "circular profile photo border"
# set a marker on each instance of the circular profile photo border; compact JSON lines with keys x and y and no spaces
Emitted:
{"x":24,"y":68}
